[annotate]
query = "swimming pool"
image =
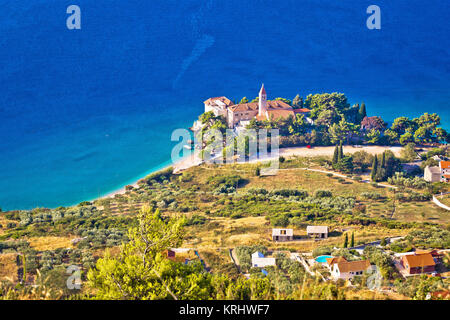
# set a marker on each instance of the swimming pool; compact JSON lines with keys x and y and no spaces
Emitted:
{"x":322,"y":259}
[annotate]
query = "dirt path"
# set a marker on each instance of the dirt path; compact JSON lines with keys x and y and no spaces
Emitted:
{"x":234,"y":259}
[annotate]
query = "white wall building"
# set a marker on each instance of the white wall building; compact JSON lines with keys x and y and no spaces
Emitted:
{"x":282,"y":234}
{"x":317,"y":231}
{"x":259,"y":261}
{"x":436,"y":174}
{"x":432,"y":174}
{"x":347,"y":270}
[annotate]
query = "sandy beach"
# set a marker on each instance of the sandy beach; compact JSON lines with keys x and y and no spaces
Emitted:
{"x":193,"y":159}
{"x":328,"y":151}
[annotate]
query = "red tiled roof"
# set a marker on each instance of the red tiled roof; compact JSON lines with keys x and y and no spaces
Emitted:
{"x":245,"y":107}
{"x":331,"y":261}
{"x":419,"y":260}
{"x":225,"y":100}
{"x":277,"y":114}
{"x":302,"y":110}
{"x":271,"y":105}
{"x":361,"y":265}
{"x":445,"y":164}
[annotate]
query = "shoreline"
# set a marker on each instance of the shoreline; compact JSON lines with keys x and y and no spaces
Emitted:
{"x":193,"y":160}
{"x":185,"y":162}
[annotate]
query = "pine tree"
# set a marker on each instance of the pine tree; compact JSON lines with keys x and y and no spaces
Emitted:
{"x":352,"y":241}
{"x":346,"y":241}
{"x":341,"y":151}
{"x":297,"y":101}
{"x":362,"y":112}
{"x":335,"y":156}
{"x":374,"y":168}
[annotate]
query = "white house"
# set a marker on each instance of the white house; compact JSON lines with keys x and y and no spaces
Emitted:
{"x":317,"y":231}
{"x":282,"y":234}
{"x":259,"y":261}
{"x":432,"y":174}
{"x":436,"y":174}
{"x":348,"y":269}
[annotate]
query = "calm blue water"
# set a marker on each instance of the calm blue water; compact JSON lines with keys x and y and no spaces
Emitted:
{"x":86,"y":112}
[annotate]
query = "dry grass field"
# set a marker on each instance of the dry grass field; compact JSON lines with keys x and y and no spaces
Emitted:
{"x":4,"y":224}
{"x":229,"y":233}
{"x":8,"y":267}
{"x":221,"y":233}
{"x":311,"y":181}
{"x":445,"y":200}
{"x":49,"y":243}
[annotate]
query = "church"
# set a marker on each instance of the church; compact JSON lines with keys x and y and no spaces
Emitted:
{"x":239,"y":115}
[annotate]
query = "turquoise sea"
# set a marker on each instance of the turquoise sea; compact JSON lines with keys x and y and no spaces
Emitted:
{"x":85,"y":112}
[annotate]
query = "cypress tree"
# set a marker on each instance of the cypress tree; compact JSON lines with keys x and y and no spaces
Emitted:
{"x":374,"y":168}
{"x":346,"y":241}
{"x":341,"y":151}
{"x":335,"y":156}
{"x":383,"y":160}
{"x":352,"y":241}
{"x":362,"y":112}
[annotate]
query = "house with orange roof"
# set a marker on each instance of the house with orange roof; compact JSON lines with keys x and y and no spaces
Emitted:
{"x":238,"y":115}
{"x":218,"y":105}
{"x":330,"y":262}
{"x":445,"y":171}
{"x":439,"y":173}
{"x":418,"y":263}
{"x":348,"y":269}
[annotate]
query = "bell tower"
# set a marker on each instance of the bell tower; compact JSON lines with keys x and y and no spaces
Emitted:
{"x":262,"y":101}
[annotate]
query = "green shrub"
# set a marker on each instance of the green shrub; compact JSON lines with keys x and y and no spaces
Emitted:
{"x":323,"y":194}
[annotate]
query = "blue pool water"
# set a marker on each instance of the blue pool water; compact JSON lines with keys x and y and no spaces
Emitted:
{"x":322,"y":259}
{"x":84,"y":112}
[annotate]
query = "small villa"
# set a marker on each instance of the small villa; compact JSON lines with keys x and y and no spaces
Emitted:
{"x":259,"y":261}
{"x":348,"y":269}
{"x":282,"y":234}
{"x":439,"y":173}
{"x":418,"y":263}
{"x":445,"y":171}
{"x":318,"y":232}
